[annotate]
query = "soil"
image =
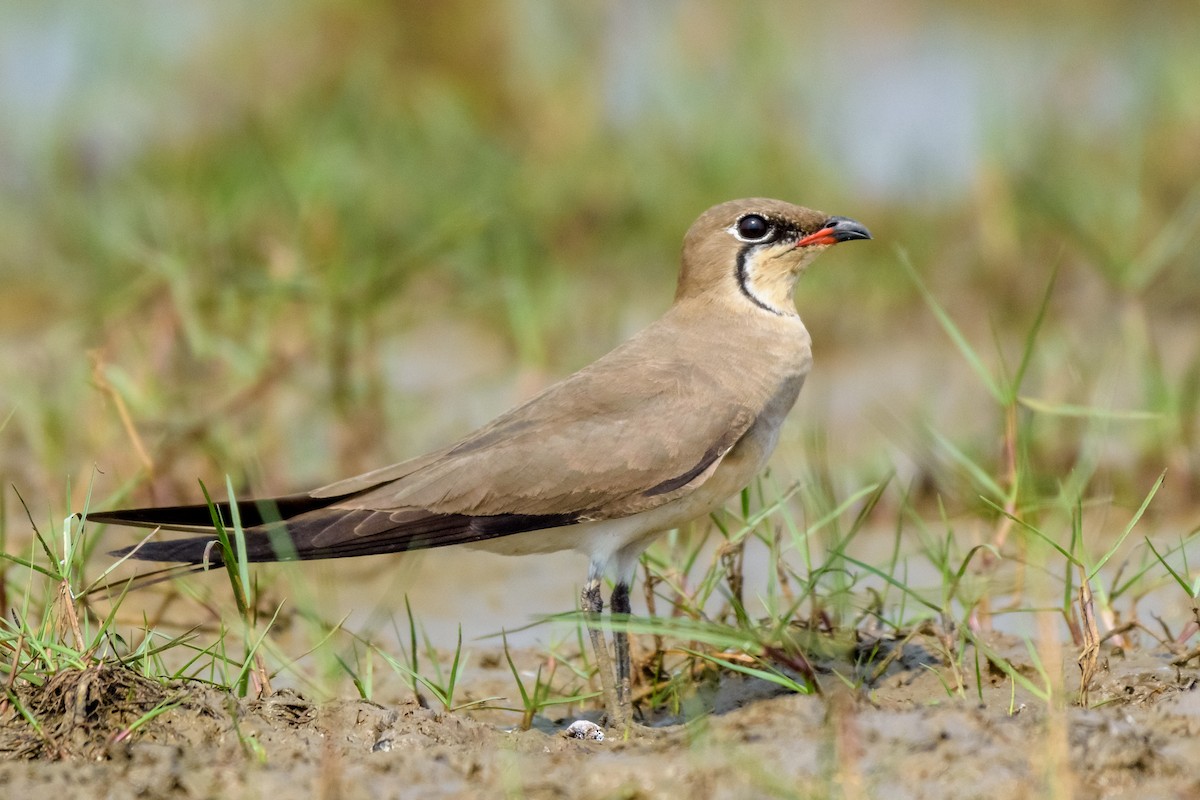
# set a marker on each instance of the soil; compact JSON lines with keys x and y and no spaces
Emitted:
{"x":906,"y":736}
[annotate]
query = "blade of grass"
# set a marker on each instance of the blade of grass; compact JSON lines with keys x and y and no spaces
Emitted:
{"x":1085,"y":412}
{"x":952,"y":330}
{"x":1129,"y":527}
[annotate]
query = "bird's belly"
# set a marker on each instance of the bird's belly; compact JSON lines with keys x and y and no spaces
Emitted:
{"x":602,"y":539}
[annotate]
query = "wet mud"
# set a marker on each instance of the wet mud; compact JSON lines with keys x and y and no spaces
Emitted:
{"x":107,"y":732}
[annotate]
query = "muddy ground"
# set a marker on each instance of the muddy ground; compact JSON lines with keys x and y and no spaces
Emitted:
{"x":905,"y":738}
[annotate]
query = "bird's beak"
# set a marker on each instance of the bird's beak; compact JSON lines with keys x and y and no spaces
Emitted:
{"x":834,"y":230}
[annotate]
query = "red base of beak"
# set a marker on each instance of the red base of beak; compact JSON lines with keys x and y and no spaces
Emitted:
{"x":823,"y":236}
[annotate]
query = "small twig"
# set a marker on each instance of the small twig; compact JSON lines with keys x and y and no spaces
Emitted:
{"x":1122,"y":629}
{"x":781,"y":571}
{"x":67,"y":607}
{"x":732,"y":555}
{"x":118,"y":402}
{"x":654,"y":662}
{"x":1010,"y":477}
{"x":796,"y":661}
{"x":1186,"y":657}
{"x":1091,"y":639}
{"x":16,"y":662}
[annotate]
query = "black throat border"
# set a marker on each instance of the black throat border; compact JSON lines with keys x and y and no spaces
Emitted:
{"x":743,"y":280}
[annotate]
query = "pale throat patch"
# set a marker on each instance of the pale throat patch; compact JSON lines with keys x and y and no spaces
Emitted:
{"x":767,"y":280}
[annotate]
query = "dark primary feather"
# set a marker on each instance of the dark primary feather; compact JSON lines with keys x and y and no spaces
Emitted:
{"x":253,"y":513}
{"x":500,"y":481}
{"x":300,"y":527}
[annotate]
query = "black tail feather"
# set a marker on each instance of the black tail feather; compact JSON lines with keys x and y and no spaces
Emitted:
{"x":253,"y":513}
{"x":300,"y":527}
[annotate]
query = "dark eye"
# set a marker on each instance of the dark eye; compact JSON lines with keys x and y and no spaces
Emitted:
{"x":753,"y":228}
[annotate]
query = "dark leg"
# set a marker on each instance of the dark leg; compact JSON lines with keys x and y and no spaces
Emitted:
{"x":620,"y":607}
{"x":593,"y":605}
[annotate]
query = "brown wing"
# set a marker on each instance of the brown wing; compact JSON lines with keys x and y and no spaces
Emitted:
{"x":627,"y":434}
{"x":622,"y":436}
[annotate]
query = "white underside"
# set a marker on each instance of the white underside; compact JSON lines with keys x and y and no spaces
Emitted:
{"x":611,"y":545}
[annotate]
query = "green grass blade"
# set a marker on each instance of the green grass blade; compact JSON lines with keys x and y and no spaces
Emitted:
{"x":1085,"y":412}
{"x":1031,"y":336}
{"x":1180,"y":579}
{"x":894,"y":582}
{"x":956,"y":335}
{"x":1129,"y":527}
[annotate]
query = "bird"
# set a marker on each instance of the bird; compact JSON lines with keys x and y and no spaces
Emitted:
{"x":660,"y":431}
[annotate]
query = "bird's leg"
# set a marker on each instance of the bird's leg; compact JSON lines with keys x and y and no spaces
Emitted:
{"x":620,"y":606}
{"x":593,"y":605}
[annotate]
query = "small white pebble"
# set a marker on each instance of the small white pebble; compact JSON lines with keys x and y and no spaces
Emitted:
{"x":582,"y":729}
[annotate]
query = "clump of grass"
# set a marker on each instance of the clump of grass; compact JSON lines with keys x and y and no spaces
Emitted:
{"x":232,"y":546}
{"x":50,"y":627}
{"x":65,"y":669}
{"x":541,"y":696}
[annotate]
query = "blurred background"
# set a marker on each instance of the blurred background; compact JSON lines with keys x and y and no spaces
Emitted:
{"x":288,"y":241}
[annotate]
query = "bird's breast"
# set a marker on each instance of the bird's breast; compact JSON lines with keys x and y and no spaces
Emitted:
{"x":750,"y":455}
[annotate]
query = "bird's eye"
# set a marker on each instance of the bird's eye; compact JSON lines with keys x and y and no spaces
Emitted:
{"x":753,"y":228}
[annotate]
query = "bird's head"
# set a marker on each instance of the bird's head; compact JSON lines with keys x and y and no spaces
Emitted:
{"x":752,"y":251}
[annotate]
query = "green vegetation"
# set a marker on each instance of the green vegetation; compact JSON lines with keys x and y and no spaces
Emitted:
{"x":353,"y":222}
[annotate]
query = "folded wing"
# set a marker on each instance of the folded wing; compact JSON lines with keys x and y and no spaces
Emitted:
{"x":588,"y":448}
